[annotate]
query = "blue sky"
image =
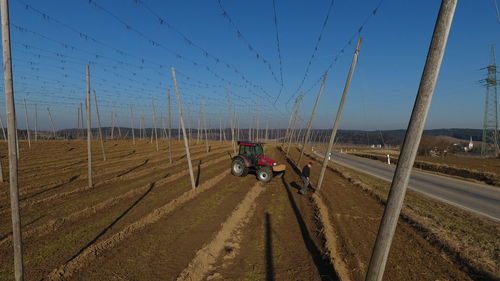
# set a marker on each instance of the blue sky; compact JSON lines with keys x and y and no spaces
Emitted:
{"x":130,"y":52}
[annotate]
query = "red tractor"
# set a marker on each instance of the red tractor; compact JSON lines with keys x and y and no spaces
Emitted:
{"x":251,"y":158}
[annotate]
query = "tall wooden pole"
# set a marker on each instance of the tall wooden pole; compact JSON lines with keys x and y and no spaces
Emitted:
{"x":81,"y":116}
{"x":205,"y":126}
{"x":78,"y":123}
{"x":12,"y":132}
{"x":228,"y":93}
{"x":169,"y":129}
{"x":52,"y":123}
{"x":112,"y":124}
{"x":412,"y":139}
{"x":36,"y":122}
{"x":154,"y":124}
{"x":100,"y":128}
{"x":294,"y":122}
{"x":339,"y":113}
{"x":27,"y":123}
{"x":186,"y":145}
{"x":311,"y":119}
{"x":132,"y":124}
{"x":89,"y":131}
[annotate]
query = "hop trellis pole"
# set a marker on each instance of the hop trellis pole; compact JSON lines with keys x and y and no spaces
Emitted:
{"x":409,"y":149}
{"x":181,"y":121}
{"x":27,"y":123}
{"x":339,"y":114}
{"x":169,"y":129}
{"x":311,"y":119}
{"x":89,"y":131}
{"x":100,"y":128}
{"x":12,"y":142}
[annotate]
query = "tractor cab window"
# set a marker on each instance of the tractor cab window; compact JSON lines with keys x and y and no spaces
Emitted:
{"x":259,"y":150}
{"x":246,"y":151}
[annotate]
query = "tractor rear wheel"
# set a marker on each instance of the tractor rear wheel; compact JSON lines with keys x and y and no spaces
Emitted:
{"x":264,"y":174}
{"x":238,"y":168}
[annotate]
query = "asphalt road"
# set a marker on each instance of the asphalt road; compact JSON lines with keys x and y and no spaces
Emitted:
{"x":478,"y":198}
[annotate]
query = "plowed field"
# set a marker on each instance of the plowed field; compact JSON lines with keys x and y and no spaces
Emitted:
{"x":142,"y":221}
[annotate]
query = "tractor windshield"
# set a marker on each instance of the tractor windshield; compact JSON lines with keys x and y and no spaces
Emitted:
{"x":259,"y":150}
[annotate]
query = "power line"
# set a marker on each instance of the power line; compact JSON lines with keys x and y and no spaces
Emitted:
{"x":251,"y":48}
{"x":313,"y":55}
{"x":279,"y":50}
{"x":357,"y":33}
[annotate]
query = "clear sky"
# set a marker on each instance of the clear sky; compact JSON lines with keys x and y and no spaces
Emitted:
{"x":131,"y":45}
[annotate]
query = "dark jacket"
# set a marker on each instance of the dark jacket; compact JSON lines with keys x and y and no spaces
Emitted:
{"x":306,"y":171}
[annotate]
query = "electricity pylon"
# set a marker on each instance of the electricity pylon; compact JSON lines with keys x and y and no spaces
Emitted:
{"x":490,"y":146}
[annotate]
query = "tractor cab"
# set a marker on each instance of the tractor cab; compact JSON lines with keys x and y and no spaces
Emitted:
{"x":251,"y":157}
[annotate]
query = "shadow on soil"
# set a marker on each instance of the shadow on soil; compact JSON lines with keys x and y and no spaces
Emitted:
{"x":269,"y":250}
{"x":72,"y":179}
{"x":198,"y":175}
{"x":25,"y":225}
{"x":133,"y":169}
{"x":324,"y":267}
{"x":151,"y":187}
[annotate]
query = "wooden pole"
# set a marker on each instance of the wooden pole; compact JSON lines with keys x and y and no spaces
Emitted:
{"x":205,"y":126}
{"x":311,"y":119}
{"x":118,"y":126}
{"x":140,"y":125}
{"x":81,"y":116}
{"x":89,"y":131}
{"x":78,"y":123}
{"x":410,"y":144}
{"x":52,"y":123}
{"x":36,"y":122}
{"x":154,"y":124}
{"x":12,"y":132}
{"x":112,"y":124}
{"x":169,"y":130}
{"x":100,"y":128}
{"x":294,"y":123}
{"x":132,"y":124}
{"x":339,"y":113}
{"x":186,"y":145}
{"x":27,"y":123}
{"x":231,"y":119}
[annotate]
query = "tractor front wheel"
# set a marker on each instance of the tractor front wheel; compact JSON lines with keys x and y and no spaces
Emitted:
{"x":264,"y":174}
{"x":238,"y":168}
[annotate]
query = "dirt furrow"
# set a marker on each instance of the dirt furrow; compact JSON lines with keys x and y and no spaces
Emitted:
{"x":231,"y":228}
{"x":55,"y":224}
{"x":355,"y":216}
{"x":89,"y":254}
{"x":280,"y":241}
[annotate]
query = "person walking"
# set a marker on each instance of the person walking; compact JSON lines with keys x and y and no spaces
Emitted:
{"x":306,"y":172}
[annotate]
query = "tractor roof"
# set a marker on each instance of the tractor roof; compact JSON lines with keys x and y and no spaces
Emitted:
{"x":249,"y":143}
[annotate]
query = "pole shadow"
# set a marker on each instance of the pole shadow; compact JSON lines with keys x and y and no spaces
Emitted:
{"x":151,"y":187}
{"x":73,"y":178}
{"x":325,"y":268}
{"x":133,"y":168}
{"x":269,"y":249}
{"x":198,"y":175}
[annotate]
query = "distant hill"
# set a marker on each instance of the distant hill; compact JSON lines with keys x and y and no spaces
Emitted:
{"x":354,"y":137}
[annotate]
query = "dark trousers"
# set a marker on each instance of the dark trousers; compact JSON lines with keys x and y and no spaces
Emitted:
{"x":305,"y":184}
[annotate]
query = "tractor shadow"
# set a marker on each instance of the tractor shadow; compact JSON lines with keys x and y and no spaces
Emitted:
{"x":122,"y":215}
